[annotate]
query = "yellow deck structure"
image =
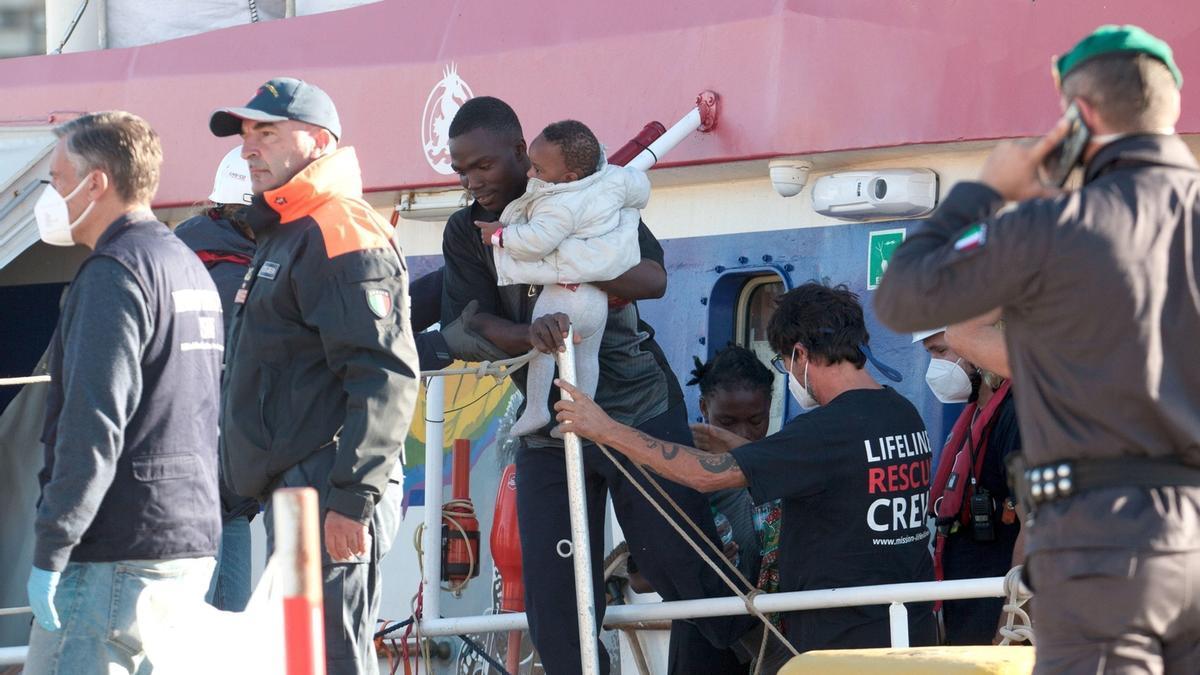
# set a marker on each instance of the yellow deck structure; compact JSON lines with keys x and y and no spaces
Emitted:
{"x":914,"y":661}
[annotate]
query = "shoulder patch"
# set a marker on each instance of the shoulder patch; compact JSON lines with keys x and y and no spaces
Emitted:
{"x":379,"y":302}
{"x":972,"y":238}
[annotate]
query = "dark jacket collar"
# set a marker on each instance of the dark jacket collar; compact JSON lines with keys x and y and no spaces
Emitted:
{"x":124,"y":221}
{"x":205,"y":233}
{"x":1141,"y":149}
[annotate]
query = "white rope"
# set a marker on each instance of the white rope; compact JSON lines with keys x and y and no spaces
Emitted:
{"x":17,"y":381}
{"x":14,"y":611}
{"x":762,"y":652}
{"x":424,"y":657}
{"x":746,"y":598}
{"x":497,"y":369}
{"x":1017,"y":626}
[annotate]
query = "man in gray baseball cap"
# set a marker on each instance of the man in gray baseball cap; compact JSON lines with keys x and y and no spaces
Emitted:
{"x":277,"y":100}
{"x":320,"y":378}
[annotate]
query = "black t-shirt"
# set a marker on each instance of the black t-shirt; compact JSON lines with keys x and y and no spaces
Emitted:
{"x":854,"y":478}
{"x":636,"y":384}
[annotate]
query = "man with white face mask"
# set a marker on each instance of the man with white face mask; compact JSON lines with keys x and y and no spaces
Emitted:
{"x":129,"y":489}
{"x":978,"y":528}
{"x":853,"y":473}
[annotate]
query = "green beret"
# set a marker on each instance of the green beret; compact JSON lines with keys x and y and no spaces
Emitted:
{"x":1114,"y":39}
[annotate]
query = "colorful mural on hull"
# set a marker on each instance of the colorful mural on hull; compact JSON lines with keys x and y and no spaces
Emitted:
{"x":476,"y":408}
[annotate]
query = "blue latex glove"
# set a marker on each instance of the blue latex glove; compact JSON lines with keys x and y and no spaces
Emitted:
{"x":41,"y":587}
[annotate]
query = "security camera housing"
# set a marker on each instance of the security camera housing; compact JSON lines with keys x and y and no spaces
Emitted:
{"x":788,"y":176}
{"x":881,"y":193}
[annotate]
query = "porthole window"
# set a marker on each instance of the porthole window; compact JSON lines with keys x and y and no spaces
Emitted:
{"x":756,"y":303}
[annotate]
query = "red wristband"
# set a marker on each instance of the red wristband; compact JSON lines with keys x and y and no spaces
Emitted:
{"x":498,"y":238}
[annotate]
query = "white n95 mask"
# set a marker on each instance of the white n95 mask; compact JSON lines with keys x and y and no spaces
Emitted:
{"x":53,"y":220}
{"x":948,"y":381}
{"x":799,"y":391}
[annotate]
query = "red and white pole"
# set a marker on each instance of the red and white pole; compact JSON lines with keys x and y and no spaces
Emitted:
{"x":702,"y":118}
{"x":298,"y":549}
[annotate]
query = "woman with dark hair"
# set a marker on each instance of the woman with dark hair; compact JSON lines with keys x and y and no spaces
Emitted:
{"x":735,"y":399}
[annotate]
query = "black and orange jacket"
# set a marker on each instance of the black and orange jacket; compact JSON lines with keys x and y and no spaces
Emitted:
{"x":320,"y":350}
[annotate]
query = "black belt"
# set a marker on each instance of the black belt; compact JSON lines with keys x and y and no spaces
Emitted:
{"x":1058,"y":480}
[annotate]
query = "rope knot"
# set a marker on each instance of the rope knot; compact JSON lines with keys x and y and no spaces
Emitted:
{"x":1017,"y":626}
{"x":748,"y":600}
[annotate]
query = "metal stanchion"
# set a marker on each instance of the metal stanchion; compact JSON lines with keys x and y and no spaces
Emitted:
{"x":581,"y":549}
{"x":898,"y":623}
{"x":298,"y":549}
{"x":431,"y":583}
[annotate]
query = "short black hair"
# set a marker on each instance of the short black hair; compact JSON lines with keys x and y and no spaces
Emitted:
{"x":580,"y":149}
{"x":487,"y":112}
{"x":825,"y":320}
{"x":731,"y":369}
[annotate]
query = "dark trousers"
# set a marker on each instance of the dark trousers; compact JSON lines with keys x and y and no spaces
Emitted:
{"x":972,"y":622}
{"x":1116,"y":611}
{"x":352,"y":589}
{"x":666,"y":561}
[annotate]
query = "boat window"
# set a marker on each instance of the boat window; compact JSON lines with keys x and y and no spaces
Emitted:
{"x":756,"y":303}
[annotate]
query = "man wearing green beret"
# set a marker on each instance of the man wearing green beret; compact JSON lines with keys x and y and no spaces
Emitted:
{"x":1099,"y":286}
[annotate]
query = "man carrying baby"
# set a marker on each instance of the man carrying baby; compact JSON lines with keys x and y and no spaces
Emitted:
{"x":577,"y":222}
{"x":635,"y":385}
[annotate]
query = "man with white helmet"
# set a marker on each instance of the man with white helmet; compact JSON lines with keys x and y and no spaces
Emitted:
{"x":977,"y":525}
{"x":222,"y":240}
{"x":225,"y":244}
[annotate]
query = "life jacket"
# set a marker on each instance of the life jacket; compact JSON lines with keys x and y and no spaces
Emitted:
{"x":959,"y":467}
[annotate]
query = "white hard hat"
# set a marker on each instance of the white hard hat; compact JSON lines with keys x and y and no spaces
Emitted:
{"x":232,"y":182}
{"x":920,"y":335}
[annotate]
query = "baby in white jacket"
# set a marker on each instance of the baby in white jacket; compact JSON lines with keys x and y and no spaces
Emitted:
{"x":577,"y":223}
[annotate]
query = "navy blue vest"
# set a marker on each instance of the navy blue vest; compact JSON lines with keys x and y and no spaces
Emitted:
{"x":163,"y":501}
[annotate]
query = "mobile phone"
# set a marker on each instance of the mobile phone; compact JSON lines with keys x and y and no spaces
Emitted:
{"x":1069,"y":152}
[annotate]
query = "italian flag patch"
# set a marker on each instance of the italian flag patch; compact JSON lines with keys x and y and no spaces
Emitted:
{"x":974,"y":237}
{"x":380,"y":302}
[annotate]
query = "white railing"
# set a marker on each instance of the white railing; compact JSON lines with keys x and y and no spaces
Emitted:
{"x":616,"y":616}
{"x":13,"y":656}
